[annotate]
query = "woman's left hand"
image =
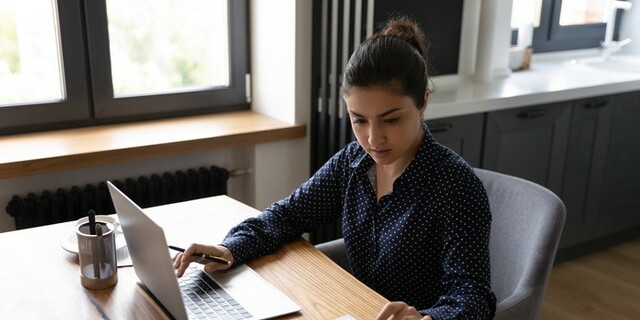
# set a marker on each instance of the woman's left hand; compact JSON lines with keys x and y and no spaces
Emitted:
{"x":399,"y":310}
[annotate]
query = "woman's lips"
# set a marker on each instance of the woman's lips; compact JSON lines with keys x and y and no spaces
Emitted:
{"x":380,"y":153}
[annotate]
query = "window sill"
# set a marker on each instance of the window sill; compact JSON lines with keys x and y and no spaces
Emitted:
{"x":46,"y":152}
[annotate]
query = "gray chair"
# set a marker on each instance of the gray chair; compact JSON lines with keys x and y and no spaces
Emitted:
{"x":526,"y":228}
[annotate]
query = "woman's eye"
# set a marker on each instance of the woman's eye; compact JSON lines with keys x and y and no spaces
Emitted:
{"x":393,"y":120}
{"x":357,"y":121}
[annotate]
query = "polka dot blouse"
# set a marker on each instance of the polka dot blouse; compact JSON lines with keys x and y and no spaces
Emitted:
{"x":425,"y":243}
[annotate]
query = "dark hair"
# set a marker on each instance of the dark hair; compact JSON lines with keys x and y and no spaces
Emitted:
{"x":395,"y":56}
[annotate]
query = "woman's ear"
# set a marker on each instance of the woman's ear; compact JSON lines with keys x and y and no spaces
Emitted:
{"x":426,"y":99}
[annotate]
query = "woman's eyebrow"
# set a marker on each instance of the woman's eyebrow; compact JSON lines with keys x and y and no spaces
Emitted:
{"x":386,"y":113}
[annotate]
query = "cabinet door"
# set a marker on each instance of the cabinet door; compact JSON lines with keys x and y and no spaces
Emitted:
{"x":462,"y":134}
{"x":529,"y":143}
{"x":620,"y":204}
{"x":584,"y":169}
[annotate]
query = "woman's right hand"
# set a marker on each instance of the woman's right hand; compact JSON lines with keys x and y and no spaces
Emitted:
{"x":400,"y":310}
{"x":182,"y":260}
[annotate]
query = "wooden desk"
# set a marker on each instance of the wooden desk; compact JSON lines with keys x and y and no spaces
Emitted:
{"x":40,"y":280}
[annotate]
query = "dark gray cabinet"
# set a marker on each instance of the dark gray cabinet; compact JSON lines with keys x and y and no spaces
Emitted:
{"x":529,"y":143}
{"x":461,"y":134}
{"x":586,"y":157}
{"x":620,"y":203}
{"x":587,"y":151}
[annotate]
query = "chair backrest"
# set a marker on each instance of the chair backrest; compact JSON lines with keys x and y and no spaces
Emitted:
{"x":525,"y":231}
{"x":527,"y":221}
{"x":336,"y":251}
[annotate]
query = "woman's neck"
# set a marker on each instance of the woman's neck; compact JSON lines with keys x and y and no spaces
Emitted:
{"x":396,"y":168}
{"x":386,"y":175}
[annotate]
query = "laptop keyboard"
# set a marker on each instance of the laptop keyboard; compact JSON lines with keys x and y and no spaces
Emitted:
{"x":205,"y":299}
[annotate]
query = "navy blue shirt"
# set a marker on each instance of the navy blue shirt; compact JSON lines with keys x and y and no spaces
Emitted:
{"x":425,"y":243}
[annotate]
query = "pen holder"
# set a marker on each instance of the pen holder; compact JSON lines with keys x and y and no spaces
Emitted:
{"x":97,"y":255}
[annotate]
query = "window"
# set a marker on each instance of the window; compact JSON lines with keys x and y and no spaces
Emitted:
{"x":580,"y":12}
{"x":189,"y":52}
{"x":31,"y":66}
{"x":563,"y":24}
{"x":103,"y":61}
{"x":41,"y":69}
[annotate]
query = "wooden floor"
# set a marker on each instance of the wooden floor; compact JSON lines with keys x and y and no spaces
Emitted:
{"x":603,"y":285}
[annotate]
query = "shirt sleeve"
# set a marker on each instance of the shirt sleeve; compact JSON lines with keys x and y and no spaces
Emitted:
{"x":466,"y":229}
{"x":316,"y":202}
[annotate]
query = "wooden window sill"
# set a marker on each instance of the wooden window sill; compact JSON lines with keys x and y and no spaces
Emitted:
{"x":53,"y":151}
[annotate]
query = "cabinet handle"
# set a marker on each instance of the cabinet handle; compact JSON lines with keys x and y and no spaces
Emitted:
{"x":442,"y":127}
{"x":596,"y":104}
{"x":533,"y":114}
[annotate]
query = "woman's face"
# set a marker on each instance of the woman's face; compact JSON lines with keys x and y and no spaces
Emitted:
{"x":387,"y":125}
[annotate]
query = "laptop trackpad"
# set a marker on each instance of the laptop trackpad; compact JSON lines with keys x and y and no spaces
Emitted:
{"x":253,"y":292}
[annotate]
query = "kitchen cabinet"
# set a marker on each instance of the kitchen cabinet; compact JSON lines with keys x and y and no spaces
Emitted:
{"x":586,"y":157}
{"x":529,"y":142}
{"x":587,"y":151}
{"x":619,"y":206}
{"x":461,"y":134}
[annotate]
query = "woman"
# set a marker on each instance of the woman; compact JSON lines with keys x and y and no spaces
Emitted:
{"x":415,"y":218}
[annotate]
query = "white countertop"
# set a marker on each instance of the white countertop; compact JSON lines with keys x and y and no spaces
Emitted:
{"x":551,"y":78}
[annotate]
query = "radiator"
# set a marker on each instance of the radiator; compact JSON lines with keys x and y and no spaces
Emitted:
{"x":71,"y":204}
{"x":339,"y":27}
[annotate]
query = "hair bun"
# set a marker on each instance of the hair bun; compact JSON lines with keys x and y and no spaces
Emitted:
{"x":406,"y":29}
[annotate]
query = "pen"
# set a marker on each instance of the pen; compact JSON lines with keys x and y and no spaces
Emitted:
{"x":205,"y":256}
{"x":96,"y":258}
{"x":92,"y":222}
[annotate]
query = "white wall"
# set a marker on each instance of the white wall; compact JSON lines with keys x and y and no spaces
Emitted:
{"x":281,"y":68}
{"x":281,"y":62}
{"x":484,"y":42}
{"x":630,"y":28}
{"x":469,"y":37}
{"x":494,"y":35}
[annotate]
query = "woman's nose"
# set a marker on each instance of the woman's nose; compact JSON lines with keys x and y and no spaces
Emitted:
{"x":376,"y":136}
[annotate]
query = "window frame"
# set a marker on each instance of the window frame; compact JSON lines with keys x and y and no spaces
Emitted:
{"x":233,"y":97}
{"x":551,"y":36}
{"x":74,"y":107}
{"x":87,"y":78}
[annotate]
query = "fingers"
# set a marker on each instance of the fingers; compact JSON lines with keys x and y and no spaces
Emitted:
{"x":214,"y":266}
{"x":389,"y":310}
{"x":398,"y":310}
{"x":182,"y":260}
{"x":181,"y":264}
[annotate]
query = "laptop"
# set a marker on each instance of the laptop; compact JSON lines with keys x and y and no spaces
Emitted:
{"x":148,"y":248}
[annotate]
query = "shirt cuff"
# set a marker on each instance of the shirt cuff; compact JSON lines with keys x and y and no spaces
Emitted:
{"x":237,"y":248}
